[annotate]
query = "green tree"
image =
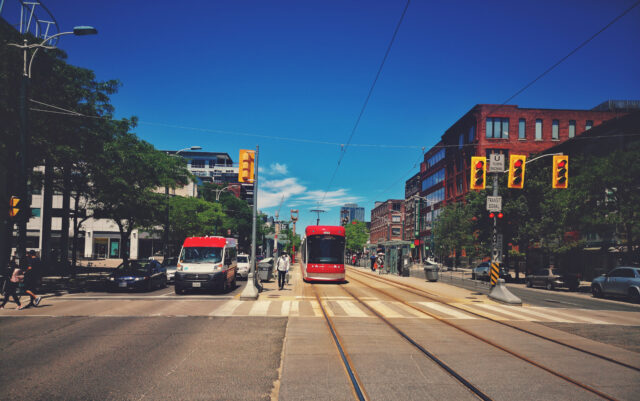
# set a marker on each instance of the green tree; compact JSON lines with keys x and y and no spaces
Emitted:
{"x":126,"y":179}
{"x":190,"y":217}
{"x":356,"y":236}
{"x":453,"y":230}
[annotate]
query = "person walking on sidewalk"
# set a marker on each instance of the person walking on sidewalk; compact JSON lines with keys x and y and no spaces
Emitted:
{"x":282,"y":265}
{"x":30,"y":282}
{"x":11,"y":285}
{"x":373,"y":261}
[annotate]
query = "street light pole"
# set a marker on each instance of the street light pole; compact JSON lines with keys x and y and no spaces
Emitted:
{"x":24,"y":131}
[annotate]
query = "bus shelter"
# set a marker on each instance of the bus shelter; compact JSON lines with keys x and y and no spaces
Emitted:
{"x":397,"y":256}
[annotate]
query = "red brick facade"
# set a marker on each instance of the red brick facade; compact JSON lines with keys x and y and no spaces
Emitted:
{"x":543,"y":128}
{"x":386,"y":221}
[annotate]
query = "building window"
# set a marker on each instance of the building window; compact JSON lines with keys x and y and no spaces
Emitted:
{"x":396,"y":206}
{"x":588,"y":125}
{"x":433,"y":179}
{"x":538,"y":129}
{"x":395,"y":231}
{"x":395,"y":219}
{"x":461,"y":141}
{"x":435,"y":158}
{"x":554,"y":129}
{"x":521,"y":129}
{"x":197,"y":163}
{"x":472,"y":133}
{"x":572,"y":128}
{"x":497,"y":127}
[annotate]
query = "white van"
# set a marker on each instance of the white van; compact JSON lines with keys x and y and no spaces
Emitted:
{"x":207,"y":263}
{"x":243,"y":265}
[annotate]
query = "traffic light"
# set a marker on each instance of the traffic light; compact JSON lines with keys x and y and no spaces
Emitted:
{"x":478,"y":172}
{"x":13,"y":206}
{"x":516,"y":171}
{"x":560,"y":172}
{"x":245,"y":172}
{"x":498,"y":215}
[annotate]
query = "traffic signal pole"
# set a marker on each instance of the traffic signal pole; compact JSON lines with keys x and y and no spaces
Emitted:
{"x":250,"y":291}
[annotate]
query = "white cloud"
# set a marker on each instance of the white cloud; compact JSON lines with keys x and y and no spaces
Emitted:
{"x":274,"y":169}
{"x":271,"y":192}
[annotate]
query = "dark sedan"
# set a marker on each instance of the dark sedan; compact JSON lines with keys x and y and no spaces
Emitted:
{"x":551,"y":278}
{"x":138,"y":275}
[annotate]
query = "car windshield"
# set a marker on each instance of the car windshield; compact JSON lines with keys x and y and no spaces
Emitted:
{"x":134,"y":268}
{"x":243,"y":259}
{"x":201,"y":254}
{"x":170,"y":262}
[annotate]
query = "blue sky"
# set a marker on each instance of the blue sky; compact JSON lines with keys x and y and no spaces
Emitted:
{"x":292,"y":76}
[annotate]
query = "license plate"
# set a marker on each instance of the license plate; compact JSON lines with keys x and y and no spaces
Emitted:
{"x":195,"y":284}
{"x":122,"y":285}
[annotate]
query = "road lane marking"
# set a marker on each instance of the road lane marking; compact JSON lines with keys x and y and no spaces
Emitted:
{"x":285,"y":308}
{"x":351,"y":309}
{"x":446,"y":310}
{"x":227,"y":308}
{"x":259,"y":308}
{"x":473,"y":308}
{"x":384,"y":310}
{"x":545,"y":316}
{"x":575,"y":317}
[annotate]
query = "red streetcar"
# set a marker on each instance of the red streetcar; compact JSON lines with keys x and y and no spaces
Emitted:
{"x":322,"y":253}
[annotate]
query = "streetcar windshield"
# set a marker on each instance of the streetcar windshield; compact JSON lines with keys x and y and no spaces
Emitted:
{"x":326,"y":249}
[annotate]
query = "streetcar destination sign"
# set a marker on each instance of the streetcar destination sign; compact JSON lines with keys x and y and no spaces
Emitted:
{"x":494,"y":203}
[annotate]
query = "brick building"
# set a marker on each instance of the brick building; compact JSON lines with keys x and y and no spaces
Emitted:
{"x":387,"y":219}
{"x":487,"y":129}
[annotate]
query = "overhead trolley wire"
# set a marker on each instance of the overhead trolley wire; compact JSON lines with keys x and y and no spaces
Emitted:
{"x":344,"y":148}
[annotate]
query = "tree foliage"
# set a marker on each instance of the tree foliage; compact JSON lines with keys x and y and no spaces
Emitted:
{"x":356,"y":236}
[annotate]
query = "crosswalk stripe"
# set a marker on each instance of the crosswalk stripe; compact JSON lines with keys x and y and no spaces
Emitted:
{"x":294,"y":311}
{"x":498,"y":309}
{"x":540,"y":314}
{"x":574,"y":317}
{"x":384,"y":310}
{"x":227,"y":308}
{"x":284,"y":309}
{"x":315,"y":307}
{"x":351,"y":309}
{"x":259,"y":308}
{"x":473,"y":308}
{"x":446,"y":310}
{"x":409,"y":310}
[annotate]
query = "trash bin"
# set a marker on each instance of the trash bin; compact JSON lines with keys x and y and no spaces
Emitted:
{"x":431,"y":272}
{"x":265,"y":269}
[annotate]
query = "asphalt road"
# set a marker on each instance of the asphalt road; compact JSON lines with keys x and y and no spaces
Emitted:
{"x":133,"y":358}
{"x":560,"y":298}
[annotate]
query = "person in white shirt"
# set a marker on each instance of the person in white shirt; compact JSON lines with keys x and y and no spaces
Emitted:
{"x":282,"y":265}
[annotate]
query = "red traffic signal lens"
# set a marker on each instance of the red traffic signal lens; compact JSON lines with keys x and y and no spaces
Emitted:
{"x":518,"y":163}
{"x":562,"y":163}
{"x":480,"y":164}
{"x":500,"y":215}
{"x":492,"y":215}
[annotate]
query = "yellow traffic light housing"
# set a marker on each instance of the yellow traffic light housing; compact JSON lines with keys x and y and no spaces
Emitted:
{"x":560,"y":172}
{"x":13,"y":206}
{"x":245,"y":172}
{"x":516,"y":171}
{"x":478,"y":172}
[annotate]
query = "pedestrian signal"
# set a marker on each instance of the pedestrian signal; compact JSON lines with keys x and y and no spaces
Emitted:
{"x":560,"y":177}
{"x":246,"y":170}
{"x":478,"y":172}
{"x":13,"y":206}
{"x":516,"y":171}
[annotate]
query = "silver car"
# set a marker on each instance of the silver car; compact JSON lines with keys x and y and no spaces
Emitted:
{"x":243,"y":266}
{"x":171,"y":264}
{"x":623,"y":281}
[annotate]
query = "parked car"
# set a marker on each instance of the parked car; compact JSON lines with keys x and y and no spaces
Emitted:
{"x":243,"y":266}
{"x":483,"y":272}
{"x":623,"y":281}
{"x":171,"y":265}
{"x":140,"y":274}
{"x":552,"y":278}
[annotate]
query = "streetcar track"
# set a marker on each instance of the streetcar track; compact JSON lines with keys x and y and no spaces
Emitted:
{"x":358,"y":388}
{"x":435,"y":298}
{"x":476,"y":336}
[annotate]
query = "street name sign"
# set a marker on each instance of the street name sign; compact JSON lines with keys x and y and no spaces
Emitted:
{"x":496,"y":163}
{"x":494,"y":203}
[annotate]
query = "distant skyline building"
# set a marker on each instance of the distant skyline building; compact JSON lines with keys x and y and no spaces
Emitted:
{"x":352,"y":211}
